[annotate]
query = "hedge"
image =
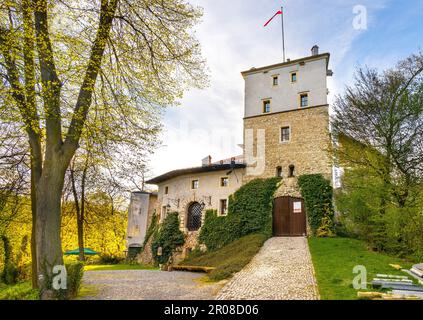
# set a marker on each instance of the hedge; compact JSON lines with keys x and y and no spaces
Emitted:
{"x":317,"y":193}
{"x":249,"y":211}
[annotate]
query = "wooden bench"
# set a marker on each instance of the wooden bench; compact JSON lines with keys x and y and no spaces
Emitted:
{"x":193,"y":268}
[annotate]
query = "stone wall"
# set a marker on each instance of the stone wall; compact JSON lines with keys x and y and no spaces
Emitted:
{"x":307,"y":148}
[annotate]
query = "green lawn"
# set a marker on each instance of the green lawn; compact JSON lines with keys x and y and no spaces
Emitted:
{"x":334,"y":260}
{"x":229,"y":259}
{"x":108,"y":267}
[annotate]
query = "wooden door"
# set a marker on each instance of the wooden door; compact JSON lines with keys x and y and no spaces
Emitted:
{"x":289,"y":217}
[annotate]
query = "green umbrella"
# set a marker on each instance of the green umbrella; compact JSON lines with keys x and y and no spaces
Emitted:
{"x":87,"y":251}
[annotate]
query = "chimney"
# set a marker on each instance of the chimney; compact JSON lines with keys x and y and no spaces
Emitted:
{"x":206,"y":161}
{"x":315,"y":50}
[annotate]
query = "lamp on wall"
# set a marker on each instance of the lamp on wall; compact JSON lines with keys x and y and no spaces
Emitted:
{"x":174,"y":201}
{"x":206,"y":199}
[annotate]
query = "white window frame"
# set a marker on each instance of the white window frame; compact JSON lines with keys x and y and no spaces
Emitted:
{"x":280,"y":134}
{"x":221,"y":179}
{"x":296,"y":77}
{"x":263,"y":106}
{"x":308,"y":99}
{"x":192,"y":184}
{"x":220,"y":207}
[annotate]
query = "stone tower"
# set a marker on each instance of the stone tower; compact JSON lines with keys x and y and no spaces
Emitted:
{"x":286,"y":119}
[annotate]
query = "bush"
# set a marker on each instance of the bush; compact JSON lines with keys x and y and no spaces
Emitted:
{"x":168,"y":237}
{"x":151,"y":229}
{"x":317,"y":193}
{"x":21,"y":291}
{"x":250,"y":211}
{"x":74,"y":274}
{"x":110,"y":259}
{"x":10,"y":274}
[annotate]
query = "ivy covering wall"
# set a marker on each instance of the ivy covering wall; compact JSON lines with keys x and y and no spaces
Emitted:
{"x":317,"y":193}
{"x":169,"y":237}
{"x":249,"y":211}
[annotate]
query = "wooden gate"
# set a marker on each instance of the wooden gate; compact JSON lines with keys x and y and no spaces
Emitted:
{"x":289,"y":217}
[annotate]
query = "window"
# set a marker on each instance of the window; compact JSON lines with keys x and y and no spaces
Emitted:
{"x":224,"y":182}
{"x":285,"y":134}
{"x":275,"y":80}
{"x":166,"y":190}
{"x":194,"y":184}
{"x":279,"y":172}
{"x":266,"y":106}
{"x":163,"y":213}
{"x":291,"y":170}
{"x":223,"y":207}
{"x":293,"y":77}
{"x":304,"y":100}
{"x":194,"y":216}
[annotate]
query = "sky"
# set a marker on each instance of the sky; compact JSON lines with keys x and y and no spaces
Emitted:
{"x":233,"y":39}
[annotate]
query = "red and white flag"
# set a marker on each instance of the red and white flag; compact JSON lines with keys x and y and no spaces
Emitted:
{"x":277,"y":13}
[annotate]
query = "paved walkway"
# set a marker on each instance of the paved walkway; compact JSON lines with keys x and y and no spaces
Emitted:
{"x":147,"y":285}
{"x":282,"y":270}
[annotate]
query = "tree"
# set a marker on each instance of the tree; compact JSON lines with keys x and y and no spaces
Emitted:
{"x":379,"y":124}
{"x":140,"y":56}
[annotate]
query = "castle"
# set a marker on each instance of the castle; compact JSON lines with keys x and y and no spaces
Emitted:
{"x":286,"y":134}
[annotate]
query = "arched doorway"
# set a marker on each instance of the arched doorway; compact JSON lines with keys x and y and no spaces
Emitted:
{"x":194,"y":216}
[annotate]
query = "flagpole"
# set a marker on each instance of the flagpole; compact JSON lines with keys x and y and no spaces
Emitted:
{"x":283,"y":35}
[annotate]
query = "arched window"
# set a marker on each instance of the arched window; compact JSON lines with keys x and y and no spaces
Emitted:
{"x":279,"y":172}
{"x":194,"y":216}
{"x":291,"y":170}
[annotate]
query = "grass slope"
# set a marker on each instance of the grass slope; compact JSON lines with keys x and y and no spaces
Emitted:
{"x":229,"y":259}
{"x":334,"y":260}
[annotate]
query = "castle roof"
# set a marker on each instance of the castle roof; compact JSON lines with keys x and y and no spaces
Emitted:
{"x":202,"y":169}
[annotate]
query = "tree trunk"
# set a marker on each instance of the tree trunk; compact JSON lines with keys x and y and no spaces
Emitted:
{"x":34,"y":278}
{"x":80,"y":209}
{"x":48,"y":241}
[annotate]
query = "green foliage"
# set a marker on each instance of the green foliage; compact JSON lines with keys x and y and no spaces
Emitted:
{"x":219,"y":230}
{"x":368,"y":212}
{"x":326,"y":228}
{"x":249,"y":211}
{"x":228,"y":259}
{"x":334,"y":260}
{"x":75,"y":272}
{"x":168,"y":237}
{"x":154,"y":224}
{"x":21,"y":291}
{"x":317,"y":193}
{"x":110,"y":259}
{"x":10,"y":272}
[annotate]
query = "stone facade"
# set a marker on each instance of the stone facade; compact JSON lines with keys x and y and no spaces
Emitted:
{"x":306,"y":149}
{"x":176,"y":195}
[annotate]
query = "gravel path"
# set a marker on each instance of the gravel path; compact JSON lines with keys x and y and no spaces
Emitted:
{"x":147,"y":285}
{"x":282,"y":270}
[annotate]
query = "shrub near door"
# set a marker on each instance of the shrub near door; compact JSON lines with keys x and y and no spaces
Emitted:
{"x":317,"y":193}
